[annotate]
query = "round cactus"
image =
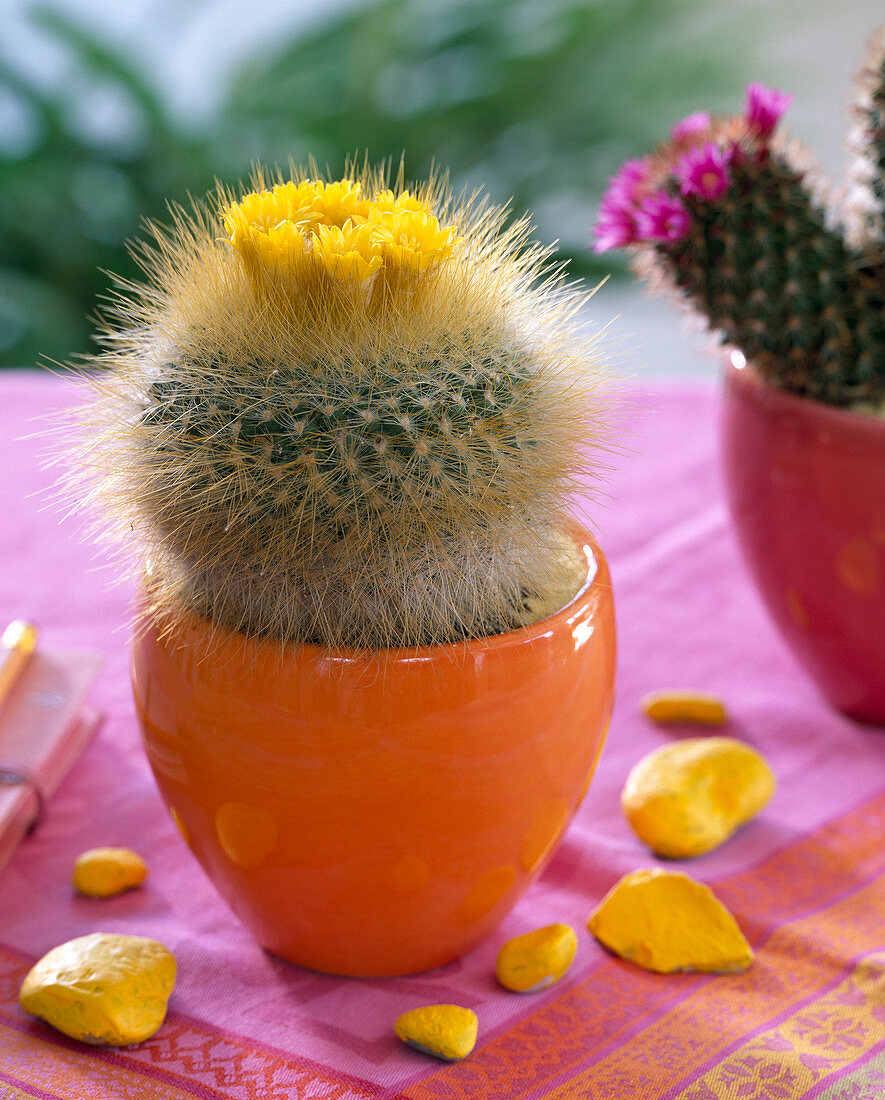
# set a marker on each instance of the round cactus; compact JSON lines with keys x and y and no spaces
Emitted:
{"x":345,"y":413}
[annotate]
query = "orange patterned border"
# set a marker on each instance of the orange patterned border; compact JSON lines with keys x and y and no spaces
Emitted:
{"x":866,"y":1082}
{"x":819,"y":1040}
{"x":639,"y":1025}
{"x":184,"y":1060}
{"x":70,"y":1071}
{"x":794,"y":964}
{"x":10,"y":1092}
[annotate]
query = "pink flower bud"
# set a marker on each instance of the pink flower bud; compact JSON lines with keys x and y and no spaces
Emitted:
{"x":631,"y":173}
{"x":764,"y":107}
{"x":690,"y":126}
{"x":616,"y":227}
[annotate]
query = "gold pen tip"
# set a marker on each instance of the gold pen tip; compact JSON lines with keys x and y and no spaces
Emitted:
{"x":20,"y":634}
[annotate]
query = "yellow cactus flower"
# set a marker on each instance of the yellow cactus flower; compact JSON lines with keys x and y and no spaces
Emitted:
{"x":349,"y":253}
{"x":349,"y":234}
{"x":339,"y":202}
{"x":386,"y":200}
{"x":278,"y":248}
{"x":413,"y":239}
{"x":258,"y":210}
{"x":271,"y":225}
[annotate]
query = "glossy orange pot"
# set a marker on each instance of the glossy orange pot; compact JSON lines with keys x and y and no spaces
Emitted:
{"x":806,"y":485}
{"x":378,"y":813}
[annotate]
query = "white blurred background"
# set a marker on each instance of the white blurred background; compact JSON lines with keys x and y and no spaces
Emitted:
{"x":108,"y":106}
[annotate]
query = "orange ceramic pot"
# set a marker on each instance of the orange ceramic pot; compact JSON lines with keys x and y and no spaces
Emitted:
{"x":378,"y":813}
{"x":806,"y":485}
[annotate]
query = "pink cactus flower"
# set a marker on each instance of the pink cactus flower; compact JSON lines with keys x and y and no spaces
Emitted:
{"x":703,"y":172}
{"x":690,"y":126}
{"x":764,"y":108}
{"x":616,"y":225}
{"x":629,"y":176}
{"x":662,"y":218}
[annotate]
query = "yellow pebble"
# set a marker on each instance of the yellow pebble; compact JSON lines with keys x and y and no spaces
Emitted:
{"x":103,"y":988}
{"x":104,"y":872}
{"x":684,"y":707}
{"x":665,"y":921}
{"x":687,"y":797}
{"x":537,"y":959}
{"x":445,"y":1031}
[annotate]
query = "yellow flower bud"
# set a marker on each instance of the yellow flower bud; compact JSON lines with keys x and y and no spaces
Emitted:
{"x":349,"y":253}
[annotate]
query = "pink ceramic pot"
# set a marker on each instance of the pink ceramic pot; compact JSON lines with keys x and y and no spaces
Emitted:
{"x":806,"y":485}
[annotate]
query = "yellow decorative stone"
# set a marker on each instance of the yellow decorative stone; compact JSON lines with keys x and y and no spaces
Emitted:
{"x":537,"y":959}
{"x":665,"y":921}
{"x":445,"y":1031}
{"x":689,"y":796}
{"x":104,"y":872}
{"x":683,"y":707}
{"x":105,"y":989}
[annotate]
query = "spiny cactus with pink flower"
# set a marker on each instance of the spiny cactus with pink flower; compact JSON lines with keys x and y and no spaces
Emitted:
{"x":727,"y":214}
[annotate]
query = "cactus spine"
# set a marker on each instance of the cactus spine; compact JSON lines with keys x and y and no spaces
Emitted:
{"x":345,"y":414}
{"x":727,"y":215}
{"x":866,"y":141}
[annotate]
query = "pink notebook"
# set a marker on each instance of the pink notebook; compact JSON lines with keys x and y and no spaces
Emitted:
{"x":44,"y":726}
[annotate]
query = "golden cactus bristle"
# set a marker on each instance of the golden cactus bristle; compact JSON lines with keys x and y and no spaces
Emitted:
{"x":343,"y":412}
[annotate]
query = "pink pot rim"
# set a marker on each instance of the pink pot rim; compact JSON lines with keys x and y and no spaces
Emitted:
{"x":841,"y":421}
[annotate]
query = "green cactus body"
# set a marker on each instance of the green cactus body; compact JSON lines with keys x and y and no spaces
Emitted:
{"x":777,"y":282}
{"x":382,"y":457}
{"x":725,"y":214}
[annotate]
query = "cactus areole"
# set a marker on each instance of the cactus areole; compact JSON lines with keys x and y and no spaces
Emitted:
{"x":346,"y":413}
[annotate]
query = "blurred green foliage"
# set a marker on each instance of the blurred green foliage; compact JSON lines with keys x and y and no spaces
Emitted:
{"x":538,"y":100}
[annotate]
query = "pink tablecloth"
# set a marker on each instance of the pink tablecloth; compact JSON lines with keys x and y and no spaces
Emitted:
{"x":805,"y":879}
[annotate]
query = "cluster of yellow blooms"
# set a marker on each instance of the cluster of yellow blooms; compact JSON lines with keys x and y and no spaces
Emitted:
{"x":335,"y":227}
